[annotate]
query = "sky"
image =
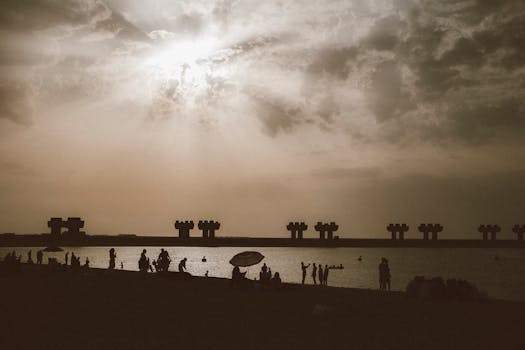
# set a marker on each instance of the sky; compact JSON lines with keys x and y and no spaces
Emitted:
{"x":134,"y":114}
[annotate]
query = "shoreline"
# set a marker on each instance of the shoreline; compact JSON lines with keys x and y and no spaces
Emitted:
{"x":97,"y":308}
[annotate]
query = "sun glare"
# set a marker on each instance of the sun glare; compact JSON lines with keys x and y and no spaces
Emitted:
{"x":186,"y":62}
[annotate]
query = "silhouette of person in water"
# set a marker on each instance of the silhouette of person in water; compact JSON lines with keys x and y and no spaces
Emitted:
{"x":86,"y":264}
{"x":112,"y":256}
{"x":326,"y":269}
{"x":314,"y":273}
{"x":182,"y":265}
{"x":206,"y":274}
{"x":67,"y":257}
{"x":321,"y":276}
{"x":304,"y":267}
{"x":29,"y":257}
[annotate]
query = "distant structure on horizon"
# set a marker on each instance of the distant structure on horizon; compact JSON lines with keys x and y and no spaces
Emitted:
{"x":400,"y":229}
{"x":208,"y":228}
{"x":184,"y":228}
{"x":425,"y":229}
{"x":72,"y":224}
{"x":326,"y":230}
{"x":519,"y":230}
{"x":486,"y":229}
{"x":296,"y":229}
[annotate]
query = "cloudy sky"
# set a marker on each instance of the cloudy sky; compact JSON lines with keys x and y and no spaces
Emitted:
{"x":132,"y":114}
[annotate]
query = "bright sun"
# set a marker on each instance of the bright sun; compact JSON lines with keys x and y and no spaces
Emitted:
{"x":188,"y":63}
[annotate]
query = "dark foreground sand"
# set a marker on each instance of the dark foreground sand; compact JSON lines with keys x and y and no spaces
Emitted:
{"x":99,"y":309}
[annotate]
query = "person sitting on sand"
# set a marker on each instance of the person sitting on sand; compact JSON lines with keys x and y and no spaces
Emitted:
{"x":238,"y":277}
{"x":276,"y":281}
{"x":314,"y":273}
{"x":304,"y":267}
{"x":182,"y":265}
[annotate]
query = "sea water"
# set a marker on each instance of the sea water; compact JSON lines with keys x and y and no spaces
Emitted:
{"x":500,"y":272}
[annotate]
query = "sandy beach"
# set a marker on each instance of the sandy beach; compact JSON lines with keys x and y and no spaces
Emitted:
{"x":95,"y":309}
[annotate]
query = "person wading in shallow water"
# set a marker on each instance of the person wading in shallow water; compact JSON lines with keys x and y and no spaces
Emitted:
{"x":304,"y":267}
{"x":314,"y":273}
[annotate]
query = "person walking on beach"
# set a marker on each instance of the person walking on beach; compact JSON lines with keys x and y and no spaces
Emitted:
{"x":304,"y":267}
{"x":326,"y":275}
{"x":112,"y":256}
{"x":314,"y":273}
{"x":321,"y":275}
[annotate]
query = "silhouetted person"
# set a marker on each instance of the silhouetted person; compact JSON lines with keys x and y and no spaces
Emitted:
{"x":387,"y":275}
{"x":121,"y":265}
{"x":112,"y":256}
{"x":86,"y":264}
{"x":304,"y":267}
{"x":29,"y":257}
{"x":203,"y":259}
{"x":325,"y":277}
{"x":39,"y":257}
{"x":143,"y":262}
{"x":384,"y":275}
{"x":206,"y":274}
{"x":321,"y":276}
{"x":314,"y":273}
{"x":182,"y":265}
{"x":276,"y":281}
{"x":67,"y":257}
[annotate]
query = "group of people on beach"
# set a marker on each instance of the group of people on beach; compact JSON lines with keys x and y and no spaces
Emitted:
{"x":317,"y":272}
{"x":75,"y":261}
{"x":161,"y":264}
{"x":266,"y":279}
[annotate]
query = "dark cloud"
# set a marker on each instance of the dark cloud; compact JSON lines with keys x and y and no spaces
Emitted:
{"x":384,"y":34}
{"x":276,"y":115}
{"x":333,"y":61}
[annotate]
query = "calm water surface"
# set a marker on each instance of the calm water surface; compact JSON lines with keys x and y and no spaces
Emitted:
{"x":503,"y":278}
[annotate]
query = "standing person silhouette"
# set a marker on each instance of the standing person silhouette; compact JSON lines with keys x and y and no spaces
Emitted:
{"x":314,"y":273}
{"x":387,"y":275}
{"x":326,"y":269}
{"x":112,"y":256}
{"x":321,"y":276}
{"x":67,"y":257}
{"x":304,"y":267}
